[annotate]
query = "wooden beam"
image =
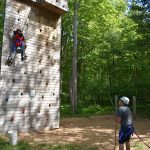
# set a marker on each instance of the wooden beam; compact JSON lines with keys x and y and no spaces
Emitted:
{"x":48,"y":5}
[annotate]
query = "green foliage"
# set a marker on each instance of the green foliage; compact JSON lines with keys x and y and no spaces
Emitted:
{"x":143,"y":109}
{"x":113,"y":52}
{"x":138,"y":146}
{"x":23,"y":145}
{"x":2,"y":8}
{"x":84,"y":111}
{"x":65,"y":110}
{"x":98,"y":110}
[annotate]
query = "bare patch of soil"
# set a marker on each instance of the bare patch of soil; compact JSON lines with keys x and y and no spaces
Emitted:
{"x":93,"y":131}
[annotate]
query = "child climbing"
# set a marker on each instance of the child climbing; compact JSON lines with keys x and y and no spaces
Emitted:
{"x":124,"y":118}
{"x":18,"y":46}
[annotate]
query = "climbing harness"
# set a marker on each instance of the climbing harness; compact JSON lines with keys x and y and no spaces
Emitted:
{"x":141,"y":139}
{"x":19,"y":38}
{"x":18,"y":46}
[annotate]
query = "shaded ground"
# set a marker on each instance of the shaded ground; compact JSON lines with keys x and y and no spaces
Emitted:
{"x":97,"y":131}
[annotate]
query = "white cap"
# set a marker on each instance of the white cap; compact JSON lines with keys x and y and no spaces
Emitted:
{"x":125,"y":100}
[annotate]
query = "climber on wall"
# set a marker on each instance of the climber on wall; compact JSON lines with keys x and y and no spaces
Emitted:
{"x":18,"y":46}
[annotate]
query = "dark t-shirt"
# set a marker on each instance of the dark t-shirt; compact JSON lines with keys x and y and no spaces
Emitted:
{"x":125,"y":114}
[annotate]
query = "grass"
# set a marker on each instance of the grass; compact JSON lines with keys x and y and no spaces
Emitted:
{"x":23,"y":145}
{"x":139,"y":146}
{"x":83,"y":112}
{"x":65,"y":112}
{"x":5,"y":145}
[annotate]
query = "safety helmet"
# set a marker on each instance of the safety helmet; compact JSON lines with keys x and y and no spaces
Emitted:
{"x":18,"y":30}
{"x":125,"y":100}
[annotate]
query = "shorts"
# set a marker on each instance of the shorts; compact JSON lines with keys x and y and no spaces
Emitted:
{"x":125,"y":133}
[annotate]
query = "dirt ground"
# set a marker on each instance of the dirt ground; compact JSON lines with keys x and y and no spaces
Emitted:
{"x":93,"y":131}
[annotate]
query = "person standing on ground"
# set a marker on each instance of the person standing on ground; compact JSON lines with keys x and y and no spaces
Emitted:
{"x":124,"y":118}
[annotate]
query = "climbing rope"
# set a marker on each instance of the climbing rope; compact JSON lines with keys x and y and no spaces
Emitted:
{"x":111,"y":102}
{"x":115,"y":137}
{"x":115,"y":144}
{"x":141,"y":139}
{"x":25,"y":16}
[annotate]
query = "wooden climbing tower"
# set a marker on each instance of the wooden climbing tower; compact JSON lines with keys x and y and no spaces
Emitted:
{"x":30,"y":89}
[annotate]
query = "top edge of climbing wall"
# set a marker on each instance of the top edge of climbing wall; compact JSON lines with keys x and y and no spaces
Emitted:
{"x":57,"y":6}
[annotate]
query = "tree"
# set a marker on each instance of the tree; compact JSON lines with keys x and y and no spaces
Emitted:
{"x":2,"y":8}
{"x":140,"y":14}
{"x":73,"y":81}
{"x":106,"y":46}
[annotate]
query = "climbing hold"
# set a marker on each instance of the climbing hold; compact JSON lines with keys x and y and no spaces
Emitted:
{"x":7,"y":98}
{"x":40,"y":30}
{"x":40,"y":71}
{"x":13,"y":80}
{"x":47,"y":83}
{"x":49,"y":105}
{"x":25,"y":73}
{"x":21,"y":93}
{"x":23,"y":110}
{"x":40,"y":61}
{"x":42,"y":96}
{"x":53,"y":94}
{"x":18,"y":11}
{"x":12,"y":118}
{"x":48,"y":57}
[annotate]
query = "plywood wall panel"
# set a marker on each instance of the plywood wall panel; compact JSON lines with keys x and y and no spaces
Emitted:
{"x":30,"y":90}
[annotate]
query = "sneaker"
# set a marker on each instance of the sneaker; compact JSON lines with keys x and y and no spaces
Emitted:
{"x":9,"y":62}
{"x":24,"y":58}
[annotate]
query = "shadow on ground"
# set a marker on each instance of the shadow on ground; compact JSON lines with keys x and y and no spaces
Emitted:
{"x":97,"y":132}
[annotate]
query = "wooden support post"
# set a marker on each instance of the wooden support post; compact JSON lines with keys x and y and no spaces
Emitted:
{"x":134,"y":106}
{"x":40,"y":1}
{"x":116,"y":102}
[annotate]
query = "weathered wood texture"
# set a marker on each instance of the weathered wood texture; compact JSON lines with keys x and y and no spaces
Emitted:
{"x":57,"y":6}
{"x":30,"y":90}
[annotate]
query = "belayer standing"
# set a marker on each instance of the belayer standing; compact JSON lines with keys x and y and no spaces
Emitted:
{"x":124,"y":118}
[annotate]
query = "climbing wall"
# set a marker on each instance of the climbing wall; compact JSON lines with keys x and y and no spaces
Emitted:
{"x":30,"y":89}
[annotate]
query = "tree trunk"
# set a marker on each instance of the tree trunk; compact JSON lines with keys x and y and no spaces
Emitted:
{"x":73,"y":81}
